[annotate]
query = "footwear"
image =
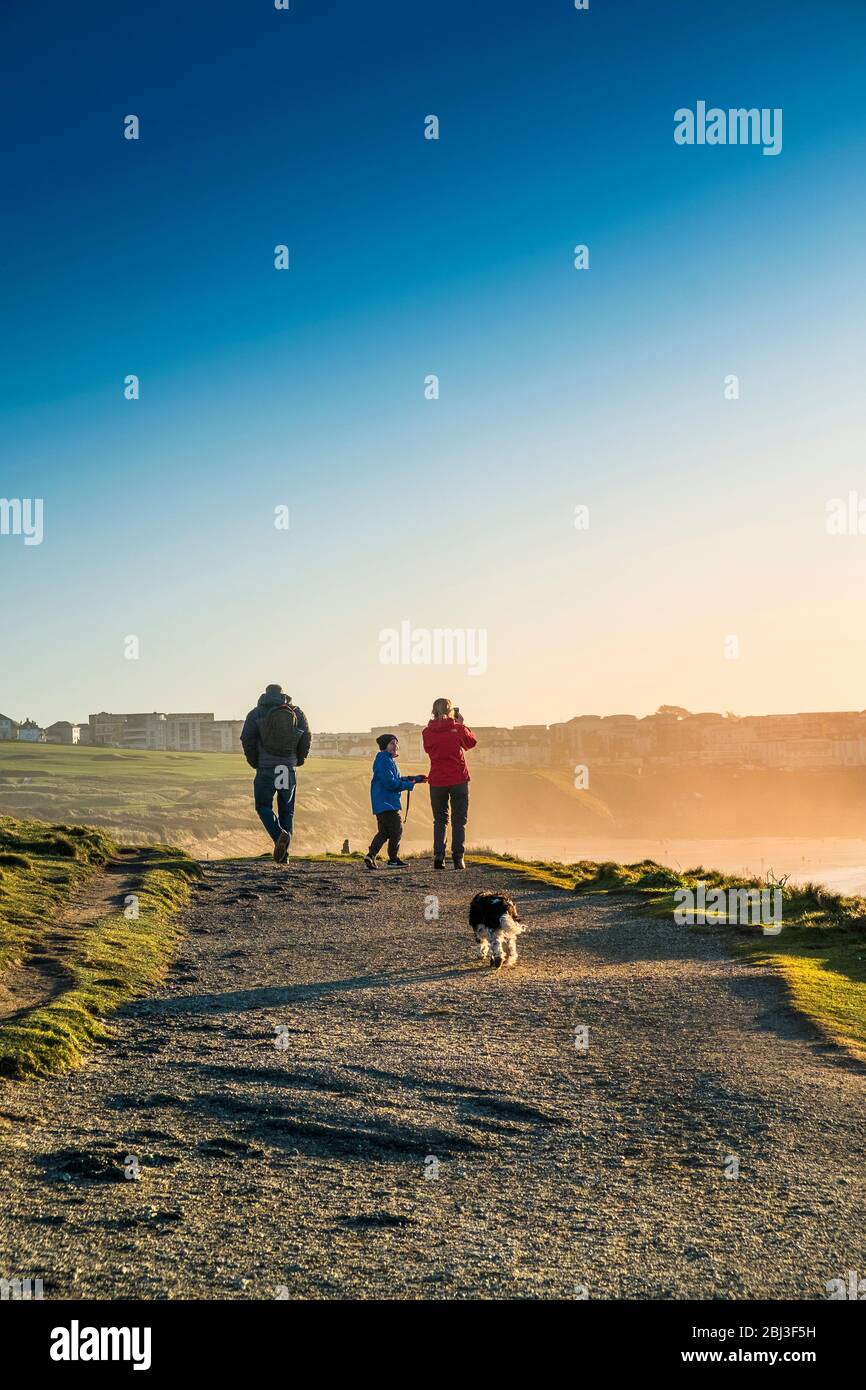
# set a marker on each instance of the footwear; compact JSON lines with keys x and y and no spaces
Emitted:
{"x":369,"y":861}
{"x":396,"y":864}
{"x":460,"y":863}
{"x":438,"y":863}
{"x":281,"y":847}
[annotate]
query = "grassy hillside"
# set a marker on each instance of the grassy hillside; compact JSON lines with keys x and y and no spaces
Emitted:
{"x":94,"y":966}
{"x":181,"y":798}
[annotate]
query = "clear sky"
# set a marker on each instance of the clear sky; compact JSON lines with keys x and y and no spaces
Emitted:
{"x":408,"y":257}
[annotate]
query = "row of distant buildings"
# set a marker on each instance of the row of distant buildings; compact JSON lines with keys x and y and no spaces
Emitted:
{"x":180,"y":733}
{"x":670,"y":737}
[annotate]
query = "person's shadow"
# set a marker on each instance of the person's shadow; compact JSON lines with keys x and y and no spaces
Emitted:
{"x":269,"y":996}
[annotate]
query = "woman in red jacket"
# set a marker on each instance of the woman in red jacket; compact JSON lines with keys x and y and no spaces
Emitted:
{"x":445,"y":740}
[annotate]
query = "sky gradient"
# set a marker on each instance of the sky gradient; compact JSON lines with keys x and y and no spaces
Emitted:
{"x":602,"y":387}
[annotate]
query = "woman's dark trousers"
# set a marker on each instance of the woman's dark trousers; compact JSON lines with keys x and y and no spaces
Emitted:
{"x":457,"y":798}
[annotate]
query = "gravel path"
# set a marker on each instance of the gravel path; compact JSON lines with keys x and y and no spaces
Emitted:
{"x":332,"y":1098}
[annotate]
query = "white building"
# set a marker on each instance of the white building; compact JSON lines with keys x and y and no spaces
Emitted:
{"x":63,"y":732}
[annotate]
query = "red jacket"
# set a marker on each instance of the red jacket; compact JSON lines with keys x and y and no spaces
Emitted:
{"x":444,"y":742}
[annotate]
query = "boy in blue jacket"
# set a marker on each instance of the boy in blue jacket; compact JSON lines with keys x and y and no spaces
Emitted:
{"x":385,"y":791}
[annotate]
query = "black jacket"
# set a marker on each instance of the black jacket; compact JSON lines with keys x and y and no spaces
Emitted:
{"x":251,"y":737}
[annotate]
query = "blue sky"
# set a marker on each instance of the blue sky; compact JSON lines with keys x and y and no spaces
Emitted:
{"x":411,"y":257}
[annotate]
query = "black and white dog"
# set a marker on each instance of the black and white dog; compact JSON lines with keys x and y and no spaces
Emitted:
{"x":493,"y":917}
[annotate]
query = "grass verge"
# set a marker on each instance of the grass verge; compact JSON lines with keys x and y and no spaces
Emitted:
{"x":544,"y":870}
{"x":106,"y":964}
{"x":40,"y":865}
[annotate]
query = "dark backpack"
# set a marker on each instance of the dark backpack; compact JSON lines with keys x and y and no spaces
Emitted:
{"x":280,"y":732}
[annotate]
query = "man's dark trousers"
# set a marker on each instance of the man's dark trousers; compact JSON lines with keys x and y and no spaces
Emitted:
{"x":390,"y":825}
{"x":458,"y":797}
{"x":276,"y":782}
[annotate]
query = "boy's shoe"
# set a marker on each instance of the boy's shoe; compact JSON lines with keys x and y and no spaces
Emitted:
{"x":396,"y":864}
{"x":369,"y":861}
{"x":281,"y":847}
{"x":460,"y":863}
{"x":438,"y":863}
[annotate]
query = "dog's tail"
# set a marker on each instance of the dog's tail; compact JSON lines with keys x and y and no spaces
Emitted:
{"x":508,"y":923}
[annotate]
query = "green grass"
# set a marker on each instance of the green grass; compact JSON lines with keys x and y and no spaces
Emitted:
{"x":137,"y":796}
{"x":105,"y":964}
{"x":39,"y":867}
{"x":150,"y":797}
{"x":824,"y":974}
{"x":820,"y":955}
{"x":546,"y":871}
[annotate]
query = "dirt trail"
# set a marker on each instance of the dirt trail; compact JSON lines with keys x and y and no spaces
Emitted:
{"x":331,"y":1097}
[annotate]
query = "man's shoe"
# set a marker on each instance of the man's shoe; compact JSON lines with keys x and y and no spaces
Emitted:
{"x":438,"y":863}
{"x":460,"y":863}
{"x":281,"y":847}
{"x":396,"y":864}
{"x":369,"y":861}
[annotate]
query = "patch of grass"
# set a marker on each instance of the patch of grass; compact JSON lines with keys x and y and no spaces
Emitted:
{"x":107,"y":964}
{"x":39,"y":866}
{"x":545,"y":871}
{"x":824,"y":975}
{"x":9,"y":860}
{"x":805,"y":905}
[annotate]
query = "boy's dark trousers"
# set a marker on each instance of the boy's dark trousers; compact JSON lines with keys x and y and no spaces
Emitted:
{"x":390,"y":825}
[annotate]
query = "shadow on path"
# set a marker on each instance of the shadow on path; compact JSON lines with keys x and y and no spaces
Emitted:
{"x":270,"y":996}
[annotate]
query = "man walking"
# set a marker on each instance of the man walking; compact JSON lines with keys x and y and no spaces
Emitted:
{"x":276,"y":740}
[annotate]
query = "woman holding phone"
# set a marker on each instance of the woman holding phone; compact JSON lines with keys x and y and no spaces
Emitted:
{"x":446,"y":740}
